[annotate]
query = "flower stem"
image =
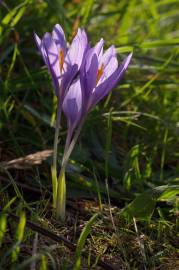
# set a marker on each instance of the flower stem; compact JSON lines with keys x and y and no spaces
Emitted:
{"x":61,"y":196}
{"x":61,"y":186}
{"x":68,"y":151}
{"x":68,"y":139}
{"x":55,"y":150}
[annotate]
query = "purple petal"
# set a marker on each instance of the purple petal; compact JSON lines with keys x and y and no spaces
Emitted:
{"x":41,"y":48}
{"x":77,"y":49}
{"x":53,"y":62}
{"x":110,"y":67}
{"x":88,"y":58}
{"x":88,"y":79}
{"x":59,"y":37}
{"x":110,"y":63}
{"x":84,"y":36}
{"x":104,"y":88}
{"x":68,"y":77}
{"x":72,"y":105}
{"x":109,"y":53}
{"x":98,"y":48}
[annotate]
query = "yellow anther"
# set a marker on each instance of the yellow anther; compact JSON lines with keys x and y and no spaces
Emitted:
{"x":61,"y":59}
{"x":99,"y":73}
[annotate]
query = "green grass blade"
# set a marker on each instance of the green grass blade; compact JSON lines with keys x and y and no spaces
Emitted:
{"x":81,"y":241}
{"x":3,"y":225}
{"x":19,"y":236}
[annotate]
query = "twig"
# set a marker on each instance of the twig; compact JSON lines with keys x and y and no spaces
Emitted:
{"x":34,"y":251}
{"x":141,"y":245}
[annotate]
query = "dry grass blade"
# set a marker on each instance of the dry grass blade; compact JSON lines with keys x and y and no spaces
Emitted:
{"x":27,"y":161}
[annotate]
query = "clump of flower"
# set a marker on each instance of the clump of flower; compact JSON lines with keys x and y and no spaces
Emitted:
{"x":82,"y":76}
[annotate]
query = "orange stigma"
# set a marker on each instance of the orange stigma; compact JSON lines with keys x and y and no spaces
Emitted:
{"x":61,"y":59}
{"x":99,"y":73}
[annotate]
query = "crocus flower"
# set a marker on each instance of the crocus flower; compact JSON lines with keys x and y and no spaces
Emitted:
{"x":63,"y":63}
{"x":99,"y":74}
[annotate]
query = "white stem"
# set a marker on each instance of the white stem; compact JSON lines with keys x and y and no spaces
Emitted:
{"x":55,"y":150}
{"x":68,"y":140}
{"x":71,"y":146}
{"x":61,"y":186}
{"x":61,"y":197}
{"x":57,"y":128}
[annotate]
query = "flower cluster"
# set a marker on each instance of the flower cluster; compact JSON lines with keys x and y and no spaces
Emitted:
{"x":82,"y":75}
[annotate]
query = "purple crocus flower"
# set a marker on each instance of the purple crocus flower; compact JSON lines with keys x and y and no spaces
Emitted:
{"x":63,"y":63}
{"x":99,"y":73}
